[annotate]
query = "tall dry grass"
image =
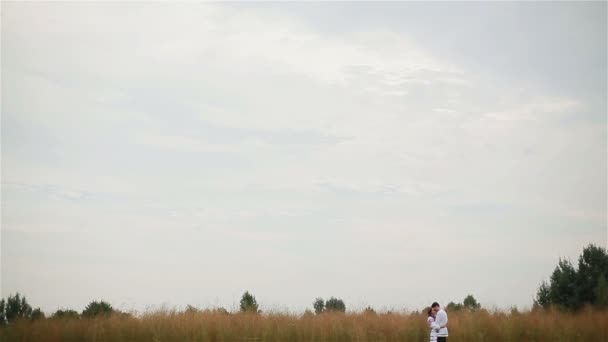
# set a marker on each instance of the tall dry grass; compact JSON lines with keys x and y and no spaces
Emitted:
{"x":165,"y":325}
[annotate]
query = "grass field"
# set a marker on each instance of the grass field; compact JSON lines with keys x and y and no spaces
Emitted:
{"x":587,"y":325}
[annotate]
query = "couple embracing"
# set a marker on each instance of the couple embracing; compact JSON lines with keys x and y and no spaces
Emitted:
{"x":438,"y":321}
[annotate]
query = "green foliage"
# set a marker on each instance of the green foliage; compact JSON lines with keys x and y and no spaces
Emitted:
{"x":37,"y":314}
{"x":96,"y":308}
{"x":335,"y":305}
{"x":601,"y":292}
{"x":563,"y":285}
{"x":66,"y":314}
{"x":2,"y":312}
{"x":592,"y":265}
{"x":570,"y":288}
{"x":16,"y":307}
{"x":543,"y":298}
{"x":470,"y":303}
{"x":369,"y":311}
{"x":332,"y":304}
{"x":454,"y":306}
{"x":248,"y":303}
{"x":319,"y":305}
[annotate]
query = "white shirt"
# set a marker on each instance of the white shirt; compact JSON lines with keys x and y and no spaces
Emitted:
{"x":434,"y":328}
{"x":442,"y":319}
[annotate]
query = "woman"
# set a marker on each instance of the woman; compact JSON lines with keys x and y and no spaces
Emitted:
{"x":434,"y":326}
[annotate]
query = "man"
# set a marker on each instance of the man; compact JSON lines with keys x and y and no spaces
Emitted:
{"x":441,"y":318}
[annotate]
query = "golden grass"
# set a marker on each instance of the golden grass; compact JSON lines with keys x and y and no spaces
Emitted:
{"x":165,"y":325}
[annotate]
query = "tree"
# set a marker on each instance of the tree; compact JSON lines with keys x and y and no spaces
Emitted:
{"x":2,"y":312}
{"x":563,"y":285}
{"x":319,"y":305}
{"x":592,"y":265}
{"x":16,"y":307}
{"x":543,"y":296}
{"x":601,"y":292}
{"x":37,"y":314}
{"x":470,"y":303}
{"x":454,"y":306}
{"x":335,"y":305}
{"x":66,"y":314}
{"x":570,"y":288}
{"x":248,"y":303}
{"x":96,"y":308}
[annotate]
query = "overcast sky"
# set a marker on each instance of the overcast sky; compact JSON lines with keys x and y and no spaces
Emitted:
{"x":390,"y":154}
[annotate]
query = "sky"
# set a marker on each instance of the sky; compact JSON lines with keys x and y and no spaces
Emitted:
{"x":389,"y":154}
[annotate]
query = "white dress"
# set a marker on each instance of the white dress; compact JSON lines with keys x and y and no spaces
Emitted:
{"x":434,"y":328}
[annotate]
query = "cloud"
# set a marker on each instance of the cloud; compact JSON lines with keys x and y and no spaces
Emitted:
{"x":213,"y":125}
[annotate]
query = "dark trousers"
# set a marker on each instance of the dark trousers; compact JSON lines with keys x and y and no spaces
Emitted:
{"x":442,"y":339}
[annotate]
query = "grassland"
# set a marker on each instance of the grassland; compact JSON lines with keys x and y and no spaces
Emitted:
{"x":166,"y":325}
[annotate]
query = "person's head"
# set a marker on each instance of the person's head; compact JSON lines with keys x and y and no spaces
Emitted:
{"x":435,"y":307}
{"x":431,"y":313}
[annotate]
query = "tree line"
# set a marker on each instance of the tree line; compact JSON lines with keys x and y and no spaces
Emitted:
{"x":569,"y":288}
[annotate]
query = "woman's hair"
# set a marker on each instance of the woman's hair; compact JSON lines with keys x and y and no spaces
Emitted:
{"x":430,"y":312}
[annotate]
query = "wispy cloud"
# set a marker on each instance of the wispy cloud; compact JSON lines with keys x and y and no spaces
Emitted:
{"x":198,"y":129}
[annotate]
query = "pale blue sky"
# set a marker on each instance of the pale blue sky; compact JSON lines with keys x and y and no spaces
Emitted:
{"x":391,"y":154}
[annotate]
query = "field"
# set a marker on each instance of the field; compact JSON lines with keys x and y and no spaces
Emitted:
{"x":167,"y":325}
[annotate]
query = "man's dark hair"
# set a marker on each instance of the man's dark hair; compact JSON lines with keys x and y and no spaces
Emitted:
{"x":435,"y":304}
